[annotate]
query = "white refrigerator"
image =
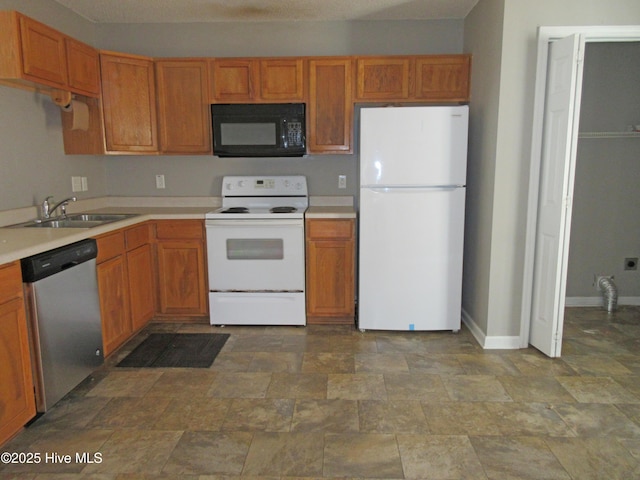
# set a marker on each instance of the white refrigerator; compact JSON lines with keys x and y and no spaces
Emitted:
{"x":413,"y":165}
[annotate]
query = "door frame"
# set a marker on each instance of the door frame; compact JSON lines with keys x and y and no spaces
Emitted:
{"x":630,"y":33}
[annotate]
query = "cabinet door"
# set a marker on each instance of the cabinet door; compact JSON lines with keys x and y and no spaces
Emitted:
{"x":129,"y":104}
{"x":183,"y":106}
{"x":83,"y":66}
{"x":232,"y":80}
{"x":16,"y":395}
{"x":282,"y":80}
{"x":383,"y":78}
{"x":141,"y":285}
{"x":330,"y":271}
{"x":330,"y":115}
{"x":17,"y":400}
{"x":43,"y":52}
{"x":443,"y":77}
{"x":114,"y":303}
{"x":181,"y":277}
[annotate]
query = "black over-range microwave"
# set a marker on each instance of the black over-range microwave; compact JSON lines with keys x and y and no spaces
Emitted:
{"x":259,"y":130}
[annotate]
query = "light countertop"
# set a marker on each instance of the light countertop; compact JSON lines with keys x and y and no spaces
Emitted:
{"x":17,"y":243}
{"x":330,"y":212}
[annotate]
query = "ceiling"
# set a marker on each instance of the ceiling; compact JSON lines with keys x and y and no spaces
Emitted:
{"x":184,"y":11}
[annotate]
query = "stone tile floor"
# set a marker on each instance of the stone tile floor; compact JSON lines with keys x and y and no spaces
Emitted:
{"x":333,"y":402}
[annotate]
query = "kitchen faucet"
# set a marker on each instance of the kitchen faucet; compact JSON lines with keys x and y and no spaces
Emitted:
{"x":47,"y":209}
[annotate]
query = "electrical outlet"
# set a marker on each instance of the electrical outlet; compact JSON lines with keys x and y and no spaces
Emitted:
{"x":342,"y":181}
{"x":631,"y":263}
{"x":85,"y":184}
{"x":160,"y":181}
{"x":76,"y":184}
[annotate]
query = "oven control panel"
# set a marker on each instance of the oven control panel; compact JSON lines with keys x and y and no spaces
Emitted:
{"x":279,"y":185}
{"x":265,"y":183}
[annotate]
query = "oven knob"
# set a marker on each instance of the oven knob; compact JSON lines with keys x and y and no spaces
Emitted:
{"x":229,"y":186}
{"x":286,"y":184}
{"x":241,"y":183}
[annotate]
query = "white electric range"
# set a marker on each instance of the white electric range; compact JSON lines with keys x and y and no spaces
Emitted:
{"x":255,"y":248}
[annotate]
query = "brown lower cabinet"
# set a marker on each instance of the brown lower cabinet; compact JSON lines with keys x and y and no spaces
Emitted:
{"x":141,"y":285}
{"x":17,"y":400}
{"x":330,"y":271}
{"x":114,"y":302}
{"x":182,"y":275}
{"x":152,"y":270}
{"x":126,"y":283}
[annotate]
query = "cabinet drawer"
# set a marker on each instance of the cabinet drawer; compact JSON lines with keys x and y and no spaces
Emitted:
{"x":330,"y":229}
{"x":179,"y":229}
{"x":110,"y":246}
{"x":10,"y":281}
{"x":136,"y":236}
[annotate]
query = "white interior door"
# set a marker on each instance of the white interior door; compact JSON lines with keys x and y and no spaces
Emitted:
{"x":560,"y":137}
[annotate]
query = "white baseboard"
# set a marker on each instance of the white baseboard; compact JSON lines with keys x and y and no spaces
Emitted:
{"x":598,"y":301}
{"x":489,"y":342}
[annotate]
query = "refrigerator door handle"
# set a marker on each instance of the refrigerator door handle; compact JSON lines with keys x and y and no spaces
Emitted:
{"x":386,"y":188}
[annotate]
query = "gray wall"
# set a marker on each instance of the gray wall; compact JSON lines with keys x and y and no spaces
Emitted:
{"x":263,"y":39}
{"x":605,"y":226}
{"x":483,"y":39}
{"x":498,"y":263}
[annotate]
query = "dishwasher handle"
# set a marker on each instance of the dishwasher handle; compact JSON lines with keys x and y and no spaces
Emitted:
{"x":66,"y":266}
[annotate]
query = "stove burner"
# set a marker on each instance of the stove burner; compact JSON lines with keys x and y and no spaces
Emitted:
{"x":283,"y":209}
{"x":236,"y":210}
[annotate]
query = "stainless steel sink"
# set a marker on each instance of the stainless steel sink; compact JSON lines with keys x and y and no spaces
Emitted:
{"x":63,"y":223}
{"x":98,"y":217}
{"x":79,"y":220}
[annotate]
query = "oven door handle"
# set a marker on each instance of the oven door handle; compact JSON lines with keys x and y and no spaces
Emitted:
{"x":255,"y":223}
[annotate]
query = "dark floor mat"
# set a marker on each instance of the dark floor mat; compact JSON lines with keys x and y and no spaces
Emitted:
{"x":177,"y":350}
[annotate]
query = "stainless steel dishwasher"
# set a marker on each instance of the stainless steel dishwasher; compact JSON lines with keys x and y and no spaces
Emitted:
{"x":64,"y":318}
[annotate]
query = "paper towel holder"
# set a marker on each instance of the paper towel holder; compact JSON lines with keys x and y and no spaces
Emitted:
{"x":62,"y":98}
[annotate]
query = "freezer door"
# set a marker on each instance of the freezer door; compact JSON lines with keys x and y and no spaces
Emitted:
{"x":410,"y":258}
{"x":413,"y":145}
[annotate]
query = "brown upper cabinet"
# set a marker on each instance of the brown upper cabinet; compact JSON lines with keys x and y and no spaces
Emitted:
{"x":43,"y":52}
{"x":183,"y":106}
{"x":330,"y":115}
{"x":382,"y":78}
{"x":241,"y":80}
{"x":83,"y":67}
{"x":429,"y":78}
{"x":282,"y":79}
{"x":35,"y":55}
{"x":443,"y":78}
{"x":129,"y":103}
{"x":148,"y":106}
